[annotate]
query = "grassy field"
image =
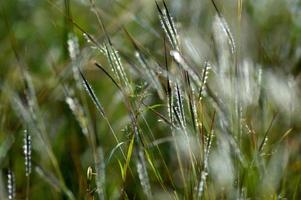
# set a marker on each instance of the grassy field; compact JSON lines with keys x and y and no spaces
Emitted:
{"x":145,"y":99}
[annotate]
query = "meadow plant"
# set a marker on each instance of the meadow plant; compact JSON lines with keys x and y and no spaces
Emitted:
{"x":151,"y":100}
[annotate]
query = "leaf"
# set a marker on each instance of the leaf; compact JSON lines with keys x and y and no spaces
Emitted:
{"x":128,"y":158}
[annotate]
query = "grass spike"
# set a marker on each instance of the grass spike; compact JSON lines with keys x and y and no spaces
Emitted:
{"x":142,"y":173}
{"x":92,"y":95}
{"x":11,"y":185}
{"x":100,"y":174}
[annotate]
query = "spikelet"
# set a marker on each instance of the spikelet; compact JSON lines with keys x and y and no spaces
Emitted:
{"x":179,"y":105}
{"x":11,"y":186}
{"x":225,"y":45}
{"x":194,"y":108}
{"x":73,"y":46}
{"x":168,"y":26}
{"x":100,"y":174}
{"x":247,"y":128}
{"x":175,"y":105}
{"x":21,"y":110}
{"x":32,"y":102}
{"x":143,"y":175}
{"x":205,"y":74}
{"x":221,"y":23}
{"x":170,"y":102}
{"x":78,"y":112}
{"x":94,"y":45}
{"x":207,"y":148}
{"x":149,"y":73}
{"x":87,"y":38}
{"x":202,"y":182}
{"x":97,"y":103}
{"x":204,"y":173}
{"x":91,"y":93}
{"x":27,"y":152}
{"x":114,"y":60}
{"x":117,"y":67}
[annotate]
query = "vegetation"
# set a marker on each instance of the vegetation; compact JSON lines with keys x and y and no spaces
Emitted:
{"x":150,"y":99}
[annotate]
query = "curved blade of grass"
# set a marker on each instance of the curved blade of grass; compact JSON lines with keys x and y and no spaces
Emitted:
{"x":113,"y":151}
{"x":266,"y":134}
{"x":5,"y":147}
{"x":53,"y":181}
{"x":128,"y":158}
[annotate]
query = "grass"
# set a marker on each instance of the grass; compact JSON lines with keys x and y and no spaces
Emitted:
{"x":150,"y":100}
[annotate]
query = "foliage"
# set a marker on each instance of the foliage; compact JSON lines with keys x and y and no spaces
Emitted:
{"x":150,"y":99}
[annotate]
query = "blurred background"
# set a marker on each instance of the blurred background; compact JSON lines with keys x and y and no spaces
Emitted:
{"x":34,"y":38}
